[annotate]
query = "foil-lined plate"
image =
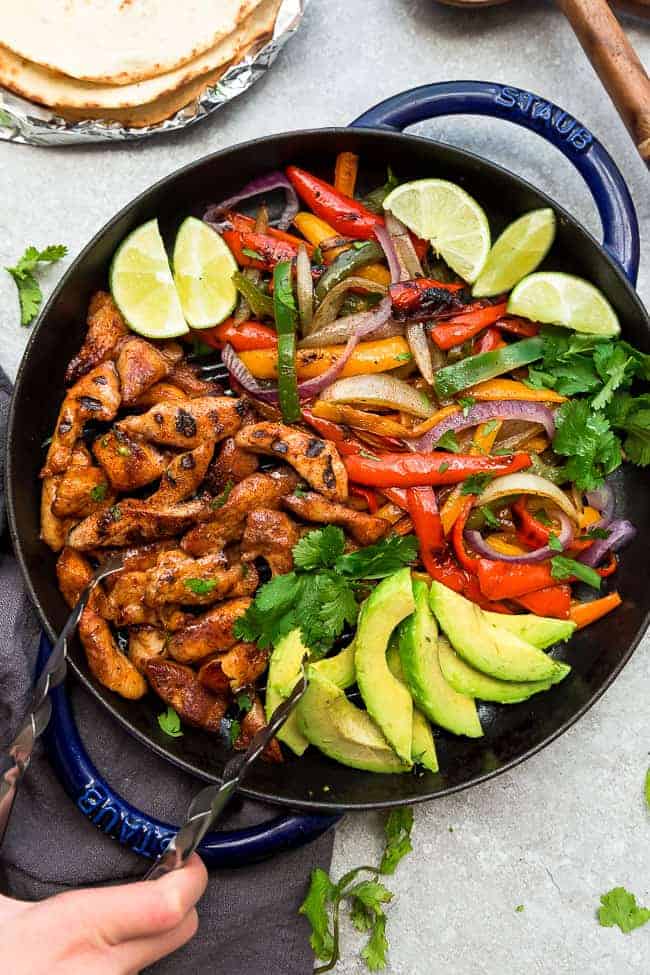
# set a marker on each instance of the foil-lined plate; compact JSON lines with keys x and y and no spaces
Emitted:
{"x":24,"y":121}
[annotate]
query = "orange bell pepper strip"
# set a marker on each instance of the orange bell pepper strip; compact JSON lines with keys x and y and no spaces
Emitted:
{"x":461,"y":328}
{"x":243,"y":337}
{"x":425,"y":516}
{"x":519,"y":326}
{"x":495,"y":389}
{"x":348,"y":217}
{"x":434,"y":420}
{"x":368,"y":357}
{"x":583,"y":614}
{"x":345,"y":173}
{"x":489,"y":341}
{"x":349,"y":415}
{"x":554,"y":601}
{"x":416,"y":470}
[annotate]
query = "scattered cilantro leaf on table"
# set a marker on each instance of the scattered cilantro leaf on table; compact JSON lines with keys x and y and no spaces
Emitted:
{"x":24,"y":275}
{"x":398,"y":838}
{"x":170,"y":723}
{"x":619,"y":907}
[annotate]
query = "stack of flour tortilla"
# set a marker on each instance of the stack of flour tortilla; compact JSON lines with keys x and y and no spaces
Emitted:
{"x":136,"y":62}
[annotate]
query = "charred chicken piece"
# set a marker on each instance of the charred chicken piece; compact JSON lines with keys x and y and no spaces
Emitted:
{"x":80,"y":491}
{"x":125,"y":604}
{"x":178,"y":578}
{"x":184,"y":475}
{"x":186,"y":424}
{"x":188,"y":378}
{"x":54,"y":530}
{"x":365,"y":529}
{"x":252,"y":722}
{"x":73,"y":572}
{"x":210,"y":633}
{"x":231,"y":466}
{"x":140,"y":364}
{"x":179,"y":686}
{"x":316,"y":460}
{"x":128,"y":464}
{"x":131,"y":522}
{"x":140,"y":557}
{"x":107,"y":664}
{"x":105,"y":329}
{"x":146,"y":643}
{"x":96,"y":396}
{"x":271,"y":535}
{"x":235,"y":669}
{"x":228,"y":520}
{"x":164,"y":392}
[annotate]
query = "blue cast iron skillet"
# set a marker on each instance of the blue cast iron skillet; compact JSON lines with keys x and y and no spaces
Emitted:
{"x":320,"y":789}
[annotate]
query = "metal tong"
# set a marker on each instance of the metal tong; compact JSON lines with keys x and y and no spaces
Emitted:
{"x":16,"y":761}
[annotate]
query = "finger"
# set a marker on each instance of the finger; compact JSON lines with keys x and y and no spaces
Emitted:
{"x":111,"y":915}
{"x":132,"y":956}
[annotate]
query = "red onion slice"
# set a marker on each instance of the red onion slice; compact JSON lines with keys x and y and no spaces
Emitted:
{"x":388,"y":247}
{"x":481,"y":412}
{"x":621,"y":533}
{"x":602,"y":499}
{"x":275,"y":180}
{"x":480,"y":545}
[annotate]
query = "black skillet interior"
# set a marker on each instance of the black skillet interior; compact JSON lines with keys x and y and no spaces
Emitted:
{"x":511,"y":732}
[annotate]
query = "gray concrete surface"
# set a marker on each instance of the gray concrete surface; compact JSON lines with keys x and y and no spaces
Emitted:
{"x":570,"y":823}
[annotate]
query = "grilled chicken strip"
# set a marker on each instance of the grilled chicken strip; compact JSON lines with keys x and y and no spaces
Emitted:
{"x":252,"y":722}
{"x":210,"y":633}
{"x":197,"y":582}
{"x":128,"y":464}
{"x":146,"y":643}
{"x":314,"y":459}
{"x":80,"y":491}
{"x":271,"y":535}
{"x":231,"y":466}
{"x":184,"y":475}
{"x":105,"y":329}
{"x":179,"y":686}
{"x":125,"y":603}
{"x":96,"y":396}
{"x":73,"y":572}
{"x":107,"y":664}
{"x":140,"y":364}
{"x":187,"y":424}
{"x":237,"y":668}
{"x":364,"y":528}
{"x":53,"y":529}
{"x":227,"y":522}
{"x":188,"y":378}
{"x":132,"y":521}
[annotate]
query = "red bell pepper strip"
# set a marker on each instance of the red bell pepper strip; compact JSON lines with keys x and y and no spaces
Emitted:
{"x":461,"y":328}
{"x":398,"y":496}
{"x":443,"y":569}
{"x":262,"y":250}
{"x":327,"y":428}
{"x":610,"y":568}
{"x":244,"y":337}
{"x":510,"y":580}
{"x":348,"y":217}
{"x":416,"y":470}
{"x":554,"y":601}
{"x":519,"y":326}
{"x":488,"y":342}
{"x":420,"y":246}
{"x":368,"y":496}
{"x":423,"y":296}
{"x":468,"y":562}
{"x":423,"y":509}
{"x":533,"y":533}
{"x":246,"y":225}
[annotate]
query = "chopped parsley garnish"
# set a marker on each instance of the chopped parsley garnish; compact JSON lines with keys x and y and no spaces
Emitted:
{"x":200,"y":587}
{"x":234,"y":731}
{"x":466,"y":402}
{"x":476,"y":484}
{"x":563,"y":568}
{"x":594,"y":533}
{"x":403,"y":357}
{"x":619,"y":907}
{"x":519,"y":908}
{"x":170,"y":723}
{"x":24,"y":275}
{"x":490,"y":518}
{"x":98,"y":493}
{"x":541,"y":516}
{"x":115,"y":512}
{"x":123,"y":450}
{"x":244,"y":702}
{"x":254,"y":255}
{"x":221,"y":499}
{"x":443,"y":467}
{"x":300,"y":491}
{"x":554,"y":543}
{"x":365,"y":900}
{"x":449,"y":441}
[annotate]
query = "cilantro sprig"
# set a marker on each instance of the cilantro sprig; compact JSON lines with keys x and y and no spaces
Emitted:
{"x":170,"y":723}
{"x":320,"y":595}
{"x":365,"y":900}
{"x":619,"y":907}
{"x":24,"y":275}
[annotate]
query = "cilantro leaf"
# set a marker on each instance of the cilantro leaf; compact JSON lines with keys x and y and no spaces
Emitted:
{"x":398,"y":838}
{"x":255,"y":255}
{"x":519,"y":909}
{"x":374,"y":953}
{"x":234,"y":731}
{"x":615,"y":367}
{"x":466,"y":402}
{"x":379,"y":560}
{"x":632,"y":415}
{"x":371,"y":893}
{"x":221,"y":499}
{"x":200,"y":587}
{"x":449,"y":441}
{"x":30,"y":295}
{"x":320,"y":895}
{"x":587,"y":440}
{"x":374,"y":200}
{"x":98,"y":493}
{"x":319,"y":549}
{"x":476,"y":483}
{"x":170,"y":723}
{"x":244,"y":703}
{"x":554,"y":543}
{"x":490,"y":518}
{"x":564,"y":568}
{"x":619,"y":907}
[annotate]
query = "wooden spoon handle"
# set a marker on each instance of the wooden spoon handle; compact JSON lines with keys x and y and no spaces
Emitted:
{"x":616,"y":63}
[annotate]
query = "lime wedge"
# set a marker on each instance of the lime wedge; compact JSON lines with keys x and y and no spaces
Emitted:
{"x":443,"y":213}
{"x":521,"y":248}
{"x":142,"y":285}
{"x":203,"y":270}
{"x":562,"y":299}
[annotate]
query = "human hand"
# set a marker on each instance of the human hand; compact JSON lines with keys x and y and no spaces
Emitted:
{"x":104,"y":931}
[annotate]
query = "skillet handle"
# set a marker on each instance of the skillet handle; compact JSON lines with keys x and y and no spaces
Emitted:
{"x":574,"y":140}
{"x":141,"y":833}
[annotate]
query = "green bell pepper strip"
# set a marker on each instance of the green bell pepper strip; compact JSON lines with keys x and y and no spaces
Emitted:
{"x":286,"y":323}
{"x":345,"y":264}
{"x":487,"y":365}
{"x":261,"y":304}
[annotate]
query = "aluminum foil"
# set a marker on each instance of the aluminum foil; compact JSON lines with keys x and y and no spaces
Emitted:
{"x":23,"y":121}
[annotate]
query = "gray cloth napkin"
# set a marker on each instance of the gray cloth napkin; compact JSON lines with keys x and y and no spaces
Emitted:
{"x":248,"y":915}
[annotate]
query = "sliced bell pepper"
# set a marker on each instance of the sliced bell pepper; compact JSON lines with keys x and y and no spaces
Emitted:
{"x":286,"y":323}
{"x":468,"y":562}
{"x":423,"y":297}
{"x":398,"y":496}
{"x":260,"y":304}
{"x":482,"y":444}
{"x":494,"y":389}
{"x":488,"y":342}
{"x":368,"y":357}
{"x":261,"y":251}
{"x":444,"y":569}
{"x":425,"y":516}
{"x":242,"y":337}
{"x":368,"y":496}
{"x":317,"y":231}
{"x":327,"y":429}
{"x":346,"y":264}
{"x":510,"y":580}
{"x":461,"y":328}
{"x":533,"y":533}
{"x":345,"y":173}
{"x":348,"y":217}
{"x":415,"y":470}
{"x":519,"y":326}
{"x":375,"y":422}
{"x":434,"y":419}
{"x":554,"y":601}
{"x":477,"y":368}
{"x":583,"y":614}
{"x":246,"y":224}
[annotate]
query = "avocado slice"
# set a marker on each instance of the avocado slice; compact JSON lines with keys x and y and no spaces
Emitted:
{"x":467,"y":680}
{"x":282,"y":677}
{"x":423,"y":747}
{"x":343,"y":731}
{"x":387,"y":700}
{"x":418,"y":649}
{"x":490,"y":649}
{"x":340,"y":668}
{"x":541,"y":631}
